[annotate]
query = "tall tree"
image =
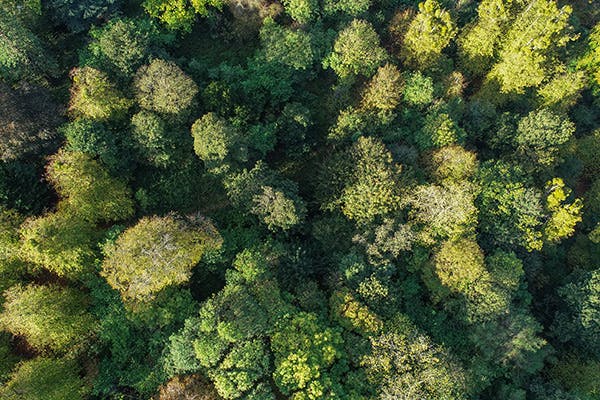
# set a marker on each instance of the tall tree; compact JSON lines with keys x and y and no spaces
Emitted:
{"x":49,"y":317}
{"x":157,"y":252}
{"x":356,"y":51}
{"x":428,"y":34}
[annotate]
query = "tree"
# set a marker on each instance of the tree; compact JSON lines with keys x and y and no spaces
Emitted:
{"x":216,"y":140}
{"x":87,"y":190}
{"x":510,"y":210}
{"x":157,"y":252}
{"x":45,"y":379}
{"x":179,"y":14}
{"x":305,"y":353}
{"x":452,"y":164}
{"x":540,"y":135}
{"x":418,"y":89}
{"x":576,"y":323}
{"x":591,"y":59}
{"x":59,"y":242}
{"x":22,"y":54}
{"x":356,"y":51}
{"x":94,"y":96}
{"x":164,"y":88}
{"x":230,"y":336}
{"x":428,"y":34}
{"x":303,"y":11}
{"x":28,"y":118}
{"x":479,"y":41}
{"x":445,"y":211}
{"x":262,"y":192}
{"x":96,"y":140}
{"x":78,"y":15}
{"x":588,"y":151}
{"x":384,"y":91}
{"x":362,"y":181}
{"x":277,"y":210}
{"x":439,"y":130}
{"x":351,"y":314}
{"x":406,"y":364}
{"x":122,"y":45}
{"x":10,"y":263}
{"x":525,"y":47}
{"x":154,"y":143}
{"x":49,"y":317}
{"x":352,"y":8}
{"x":563,"y":217}
{"x":289,"y":47}
{"x":562,"y":91}
{"x":458,"y":264}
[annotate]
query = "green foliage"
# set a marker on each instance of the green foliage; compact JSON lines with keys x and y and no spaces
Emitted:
{"x":122,"y":45}
{"x":563,"y":217}
{"x":406,"y":192}
{"x":406,"y":364}
{"x":94,"y":96}
{"x":157,"y":252}
{"x":164,"y":88}
{"x":384,"y":91}
{"x":540,"y":135}
{"x":356,"y":51}
{"x":418,"y":89}
{"x":445,"y":211}
{"x":152,"y":139}
{"x":216,"y":140}
{"x":362,"y":181}
{"x":458,"y":264}
{"x":580,"y":376}
{"x":588,"y":151}
{"x":286,"y":46}
{"x":562,"y":91}
{"x":353,"y":315}
{"x":262,"y":192}
{"x":49,"y":317}
{"x":304,"y":351}
{"x":87,"y":190}
{"x":277,"y":210}
{"x":59,"y":242}
{"x":78,"y":15}
{"x":95,"y":139}
{"x":525,"y":47}
{"x":510,"y":210}
{"x":428,"y":34}
{"x":452,"y":164}
{"x":578,"y":322}
{"x":179,"y":14}
{"x":591,"y":59}
{"x":22,"y":54}
{"x":303,"y":11}
{"x":45,"y":379}
{"x":352,"y":8}
{"x":479,"y":40}
{"x":439,"y":130}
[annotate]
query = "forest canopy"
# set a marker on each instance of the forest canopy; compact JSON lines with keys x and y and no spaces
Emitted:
{"x":299,"y":199}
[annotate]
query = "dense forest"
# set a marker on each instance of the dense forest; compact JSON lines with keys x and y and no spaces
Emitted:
{"x":305,"y":199}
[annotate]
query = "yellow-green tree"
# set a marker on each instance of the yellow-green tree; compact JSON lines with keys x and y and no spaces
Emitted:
{"x":524,"y":55}
{"x":48,"y":317}
{"x":428,"y":34}
{"x":94,"y":96}
{"x":87,"y":190}
{"x":157,"y":252}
